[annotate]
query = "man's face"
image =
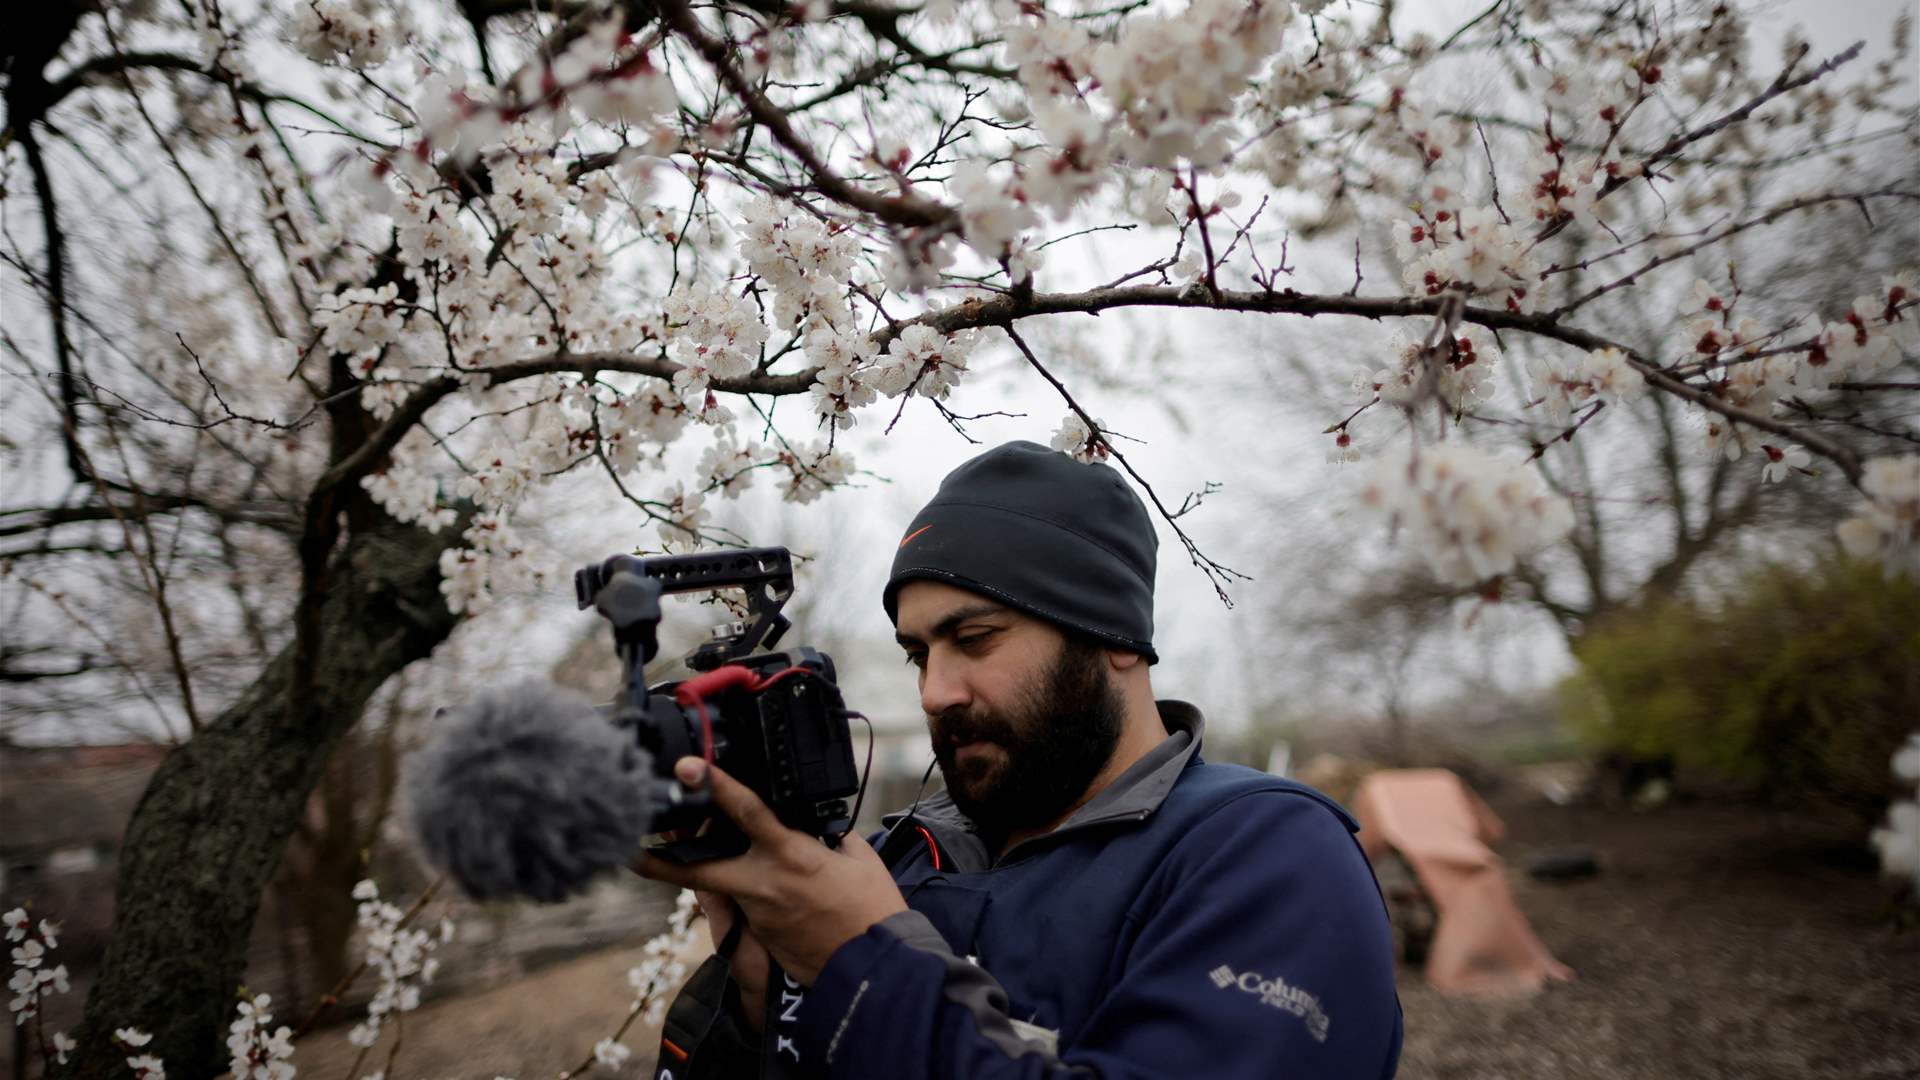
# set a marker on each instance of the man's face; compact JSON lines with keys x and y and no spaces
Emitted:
{"x":1021,"y":718}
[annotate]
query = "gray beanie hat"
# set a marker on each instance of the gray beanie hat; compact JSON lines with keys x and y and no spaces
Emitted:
{"x":1036,"y":530}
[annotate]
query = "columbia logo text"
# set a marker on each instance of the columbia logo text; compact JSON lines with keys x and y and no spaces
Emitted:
{"x":1277,"y":993}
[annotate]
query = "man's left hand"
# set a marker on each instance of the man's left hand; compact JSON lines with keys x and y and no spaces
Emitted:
{"x":803,"y":899}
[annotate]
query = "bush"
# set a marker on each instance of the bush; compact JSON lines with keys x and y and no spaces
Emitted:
{"x":1799,"y":684}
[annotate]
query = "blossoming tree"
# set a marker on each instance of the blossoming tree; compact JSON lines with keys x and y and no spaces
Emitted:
{"x":330,"y":292}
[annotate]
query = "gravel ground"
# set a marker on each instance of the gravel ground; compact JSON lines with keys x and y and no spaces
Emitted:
{"x":1716,"y":942}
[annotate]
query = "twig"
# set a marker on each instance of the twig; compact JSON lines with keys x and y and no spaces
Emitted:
{"x":905,"y":209}
{"x":1218,"y":575}
{"x":1493,"y":175}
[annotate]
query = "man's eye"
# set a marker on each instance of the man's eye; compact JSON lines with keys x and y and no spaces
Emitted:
{"x":917,"y":659}
{"x":972,"y":641}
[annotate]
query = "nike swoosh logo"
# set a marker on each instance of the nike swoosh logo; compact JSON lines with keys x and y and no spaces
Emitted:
{"x":914,"y":533}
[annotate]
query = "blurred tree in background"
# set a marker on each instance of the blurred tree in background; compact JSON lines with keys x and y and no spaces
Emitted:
{"x":1798,"y":683}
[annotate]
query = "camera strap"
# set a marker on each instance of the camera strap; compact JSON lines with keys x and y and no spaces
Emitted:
{"x":780,"y":1057}
{"x":689,"y":1047}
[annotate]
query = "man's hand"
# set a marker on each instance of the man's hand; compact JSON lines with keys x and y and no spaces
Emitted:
{"x":801,"y":899}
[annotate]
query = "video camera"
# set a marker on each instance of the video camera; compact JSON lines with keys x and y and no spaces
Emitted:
{"x":774,"y":721}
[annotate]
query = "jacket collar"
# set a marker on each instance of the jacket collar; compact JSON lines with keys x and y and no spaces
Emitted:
{"x":1132,"y":796}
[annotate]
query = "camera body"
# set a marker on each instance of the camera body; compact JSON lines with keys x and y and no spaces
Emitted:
{"x":775,"y":721}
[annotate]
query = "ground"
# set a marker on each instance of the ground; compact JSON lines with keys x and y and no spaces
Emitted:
{"x":1716,"y":942}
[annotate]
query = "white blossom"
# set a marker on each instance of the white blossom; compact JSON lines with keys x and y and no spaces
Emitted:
{"x":1782,"y":461}
{"x":993,"y":213}
{"x":1906,"y":760}
{"x":727,"y":468}
{"x":610,"y":1053}
{"x":661,"y":968}
{"x":1602,"y":375}
{"x":1076,"y":440}
{"x":1469,"y":514}
{"x":356,"y":33}
{"x":1458,"y":370}
{"x":682,"y":516}
{"x":1899,"y":840}
{"x":717,"y":335}
{"x":1887,"y":526}
{"x":256,"y":1053}
{"x":813,"y":469}
{"x":923,"y":361}
{"x":400,"y":955}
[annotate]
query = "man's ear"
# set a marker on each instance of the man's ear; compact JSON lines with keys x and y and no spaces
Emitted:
{"x":1121,"y":659}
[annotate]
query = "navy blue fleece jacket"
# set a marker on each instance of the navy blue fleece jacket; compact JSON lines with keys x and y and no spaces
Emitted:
{"x":1191,"y":920}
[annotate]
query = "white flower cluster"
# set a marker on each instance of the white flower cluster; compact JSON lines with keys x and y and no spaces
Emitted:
{"x":34,"y":980}
{"x":608,"y":77}
{"x":715,"y":334}
{"x":256,"y":1054}
{"x":808,"y":265}
{"x":1603,"y":375}
{"x":682,"y":515}
{"x":360,"y":321}
{"x":1162,"y":90}
{"x":1172,"y":77}
{"x":662,"y":963}
{"x":604,"y":74}
{"x":1888,"y":526}
{"x":843,"y":384}
{"x":728,"y":468}
{"x":1472,"y":250}
{"x":1470,"y":514}
{"x":407,"y":488}
{"x":1458,"y":371}
{"x":1083,"y":444}
{"x":611,"y":1053}
{"x":496,"y":562}
{"x":651,"y":417}
{"x":1899,"y":840}
{"x":813,"y":469}
{"x":355,"y":33}
{"x":1555,"y":189}
{"x":144,"y":1066}
{"x":402,"y":957}
{"x":922,"y":360}
{"x":993,"y":210}
{"x":1869,"y":339}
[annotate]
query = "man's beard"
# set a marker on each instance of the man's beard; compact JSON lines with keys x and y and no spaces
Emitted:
{"x":1062,"y":734}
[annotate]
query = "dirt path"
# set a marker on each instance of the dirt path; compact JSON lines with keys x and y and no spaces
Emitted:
{"x":537,"y":1026}
{"x":1713,"y":945}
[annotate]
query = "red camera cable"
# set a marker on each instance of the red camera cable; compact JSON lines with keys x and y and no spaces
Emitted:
{"x":693,"y":693}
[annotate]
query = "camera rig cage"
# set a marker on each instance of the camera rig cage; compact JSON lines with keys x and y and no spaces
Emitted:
{"x":782,"y":726}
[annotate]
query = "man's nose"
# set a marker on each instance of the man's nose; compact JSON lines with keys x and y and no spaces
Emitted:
{"x":942,"y":687}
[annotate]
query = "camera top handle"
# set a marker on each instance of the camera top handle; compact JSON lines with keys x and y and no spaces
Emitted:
{"x":626,"y":589}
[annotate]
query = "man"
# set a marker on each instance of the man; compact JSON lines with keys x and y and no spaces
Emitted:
{"x":1086,"y":897}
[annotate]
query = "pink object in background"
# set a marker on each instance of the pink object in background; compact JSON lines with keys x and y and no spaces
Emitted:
{"x":1481,"y":943}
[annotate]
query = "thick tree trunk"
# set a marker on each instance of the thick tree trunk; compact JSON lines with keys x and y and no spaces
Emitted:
{"x":209,"y":832}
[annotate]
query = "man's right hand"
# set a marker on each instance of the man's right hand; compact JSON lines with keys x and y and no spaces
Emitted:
{"x":751,"y":967}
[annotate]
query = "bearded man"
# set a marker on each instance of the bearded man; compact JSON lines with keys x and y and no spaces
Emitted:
{"x":1087,"y":897}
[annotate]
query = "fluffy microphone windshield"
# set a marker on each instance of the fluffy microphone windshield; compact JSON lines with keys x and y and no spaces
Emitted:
{"x":530,"y":791}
